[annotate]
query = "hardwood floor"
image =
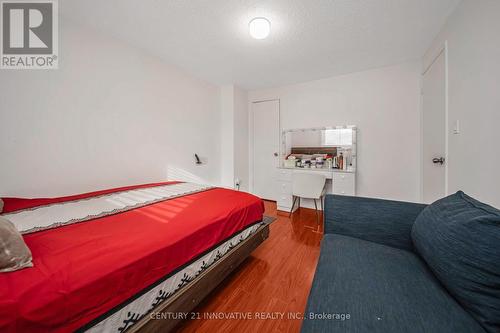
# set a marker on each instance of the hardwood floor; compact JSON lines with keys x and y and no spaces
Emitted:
{"x":274,"y":281}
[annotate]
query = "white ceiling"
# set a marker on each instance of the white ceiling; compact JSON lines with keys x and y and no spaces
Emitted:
{"x":310,"y":39}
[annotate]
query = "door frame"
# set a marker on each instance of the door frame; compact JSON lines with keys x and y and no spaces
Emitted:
{"x":250,"y":137}
{"x":441,"y":49}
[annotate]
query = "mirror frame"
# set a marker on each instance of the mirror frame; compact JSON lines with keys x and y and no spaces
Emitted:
{"x":353,"y":147}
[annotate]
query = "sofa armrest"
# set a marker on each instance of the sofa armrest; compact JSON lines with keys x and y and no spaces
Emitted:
{"x":381,"y":221}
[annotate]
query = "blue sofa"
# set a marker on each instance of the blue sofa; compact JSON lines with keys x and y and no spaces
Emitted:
{"x":389,"y":266}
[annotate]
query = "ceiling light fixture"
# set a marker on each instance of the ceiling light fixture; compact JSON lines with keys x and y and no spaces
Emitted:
{"x":259,"y":27}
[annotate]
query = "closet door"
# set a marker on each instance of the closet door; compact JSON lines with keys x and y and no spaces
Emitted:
{"x":266,"y":128}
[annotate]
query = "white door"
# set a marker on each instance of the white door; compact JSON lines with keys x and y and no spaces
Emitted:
{"x":266,"y":128}
{"x":434,"y":130}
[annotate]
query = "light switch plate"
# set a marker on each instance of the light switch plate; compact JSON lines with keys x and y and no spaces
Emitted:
{"x":456,"y":127}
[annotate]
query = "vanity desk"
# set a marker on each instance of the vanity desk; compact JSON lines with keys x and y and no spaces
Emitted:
{"x":314,"y":147}
{"x":340,"y":182}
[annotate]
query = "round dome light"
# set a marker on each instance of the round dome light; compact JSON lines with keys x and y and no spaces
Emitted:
{"x":259,"y":27}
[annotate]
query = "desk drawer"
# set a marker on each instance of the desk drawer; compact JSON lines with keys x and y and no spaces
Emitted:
{"x":344,"y":184}
{"x":284,"y":201}
{"x":325,"y":173}
{"x":285,"y":175}
{"x":284,"y":187}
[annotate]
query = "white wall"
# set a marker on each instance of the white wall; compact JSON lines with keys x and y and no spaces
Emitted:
{"x":227,"y":136}
{"x":472,"y":34}
{"x":234,"y":137}
{"x":385,"y":105}
{"x":109,"y":116}
{"x":241,"y":138}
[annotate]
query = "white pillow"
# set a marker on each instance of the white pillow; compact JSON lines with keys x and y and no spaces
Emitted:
{"x":14,"y":253}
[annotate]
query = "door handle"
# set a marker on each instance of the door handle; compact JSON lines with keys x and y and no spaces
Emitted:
{"x":437,"y":160}
{"x":276,"y":154}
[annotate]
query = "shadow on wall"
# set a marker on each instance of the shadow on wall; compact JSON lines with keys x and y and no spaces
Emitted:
{"x":176,"y":173}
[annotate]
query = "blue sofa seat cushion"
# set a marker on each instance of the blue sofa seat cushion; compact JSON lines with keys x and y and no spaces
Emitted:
{"x":382,"y":289}
{"x":459,"y":238}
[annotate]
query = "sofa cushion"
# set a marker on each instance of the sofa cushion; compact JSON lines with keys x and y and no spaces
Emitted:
{"x":382,"y":289}
{"x":459,"y":238}
{"x":381,"y":221}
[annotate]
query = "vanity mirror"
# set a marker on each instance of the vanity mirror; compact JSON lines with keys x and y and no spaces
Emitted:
{"x":320,"y":148}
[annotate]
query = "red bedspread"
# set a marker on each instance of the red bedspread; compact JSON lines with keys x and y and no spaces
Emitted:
{"x":83,"y":270}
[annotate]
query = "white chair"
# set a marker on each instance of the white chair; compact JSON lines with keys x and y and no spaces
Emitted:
{"x":309,"y":186}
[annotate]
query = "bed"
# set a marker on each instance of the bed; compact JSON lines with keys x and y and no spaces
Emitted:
{"x":115,"y":260}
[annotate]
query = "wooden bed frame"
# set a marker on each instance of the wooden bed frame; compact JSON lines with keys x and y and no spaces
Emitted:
{"x":186,"y":299}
